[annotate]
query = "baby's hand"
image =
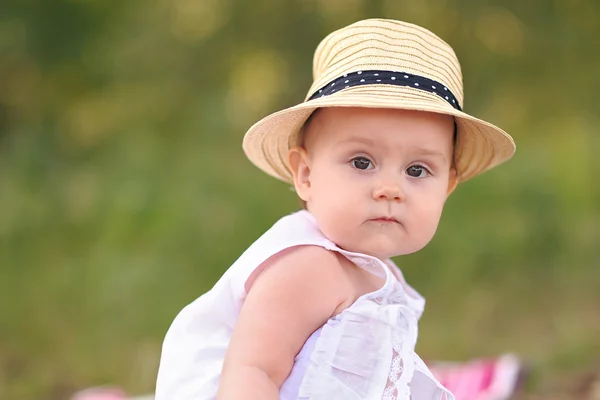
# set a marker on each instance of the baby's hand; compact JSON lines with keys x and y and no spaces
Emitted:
{"x":297,"y":292}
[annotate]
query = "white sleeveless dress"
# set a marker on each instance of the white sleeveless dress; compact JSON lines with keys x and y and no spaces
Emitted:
{"x":365,"y":352}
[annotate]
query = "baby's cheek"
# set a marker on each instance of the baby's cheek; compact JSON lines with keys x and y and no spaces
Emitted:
{"x":430,"y":218}
{"x":335,"y":205}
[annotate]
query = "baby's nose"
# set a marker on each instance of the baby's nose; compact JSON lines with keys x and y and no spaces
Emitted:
{"x":388,"y":191}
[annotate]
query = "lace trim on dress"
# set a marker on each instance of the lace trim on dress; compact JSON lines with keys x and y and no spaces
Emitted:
{"x":392,"y":390}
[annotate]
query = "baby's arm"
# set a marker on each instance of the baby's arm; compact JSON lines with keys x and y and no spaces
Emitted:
{"x":289,"y":300}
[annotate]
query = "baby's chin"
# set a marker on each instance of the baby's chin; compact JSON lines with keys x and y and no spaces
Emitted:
{"x":382,"y":248}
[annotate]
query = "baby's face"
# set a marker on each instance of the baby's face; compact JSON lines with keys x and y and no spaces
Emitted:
{"x":376,"y":179}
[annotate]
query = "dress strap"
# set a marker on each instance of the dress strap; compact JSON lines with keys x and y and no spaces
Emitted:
{"x":372,"y":265}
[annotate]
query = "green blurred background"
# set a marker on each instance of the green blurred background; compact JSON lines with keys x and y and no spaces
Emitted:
{"x":124,"y":192}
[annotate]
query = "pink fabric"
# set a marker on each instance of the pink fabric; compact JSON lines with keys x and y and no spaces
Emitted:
{"x":485,"y":379}
{"x":100,"y":393}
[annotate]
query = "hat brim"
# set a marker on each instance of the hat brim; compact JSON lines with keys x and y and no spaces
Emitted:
{"x":480,"y":145}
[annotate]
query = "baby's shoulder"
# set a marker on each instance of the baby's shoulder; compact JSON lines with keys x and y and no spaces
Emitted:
{"x":309,"y":261}
{"x":311,"y":269}
{"x":318,"y":268}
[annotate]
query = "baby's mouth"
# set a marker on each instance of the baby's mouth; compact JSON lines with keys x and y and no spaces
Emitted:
{"x":389,"y":220}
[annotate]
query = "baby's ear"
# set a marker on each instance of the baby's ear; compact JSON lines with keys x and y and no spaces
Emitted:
{"x":300,"y":167}
{"x":452,"y":180}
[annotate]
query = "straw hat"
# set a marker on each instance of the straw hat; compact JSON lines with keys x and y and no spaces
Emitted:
{"x":382,"y":64}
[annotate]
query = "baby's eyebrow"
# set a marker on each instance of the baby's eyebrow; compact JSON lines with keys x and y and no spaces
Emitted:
{"x":428,"y":152}
{"x":358,"y":139}
{"x":370,"y":142}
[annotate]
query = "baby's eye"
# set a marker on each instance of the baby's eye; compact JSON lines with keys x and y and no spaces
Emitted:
{"x":362,"y":163}
{"x":417,"y":171}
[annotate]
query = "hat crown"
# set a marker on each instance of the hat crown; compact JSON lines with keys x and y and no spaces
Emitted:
{"x":387,"y":45}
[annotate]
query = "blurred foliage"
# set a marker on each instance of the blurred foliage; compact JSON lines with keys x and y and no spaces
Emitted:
{"x":124,"y":193}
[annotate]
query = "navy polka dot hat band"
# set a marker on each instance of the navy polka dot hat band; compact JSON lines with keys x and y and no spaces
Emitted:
{"x":377,"y":77}
{"x":382,"y":63}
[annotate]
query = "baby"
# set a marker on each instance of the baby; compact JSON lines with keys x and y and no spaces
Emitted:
{"x":315,"y":308}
